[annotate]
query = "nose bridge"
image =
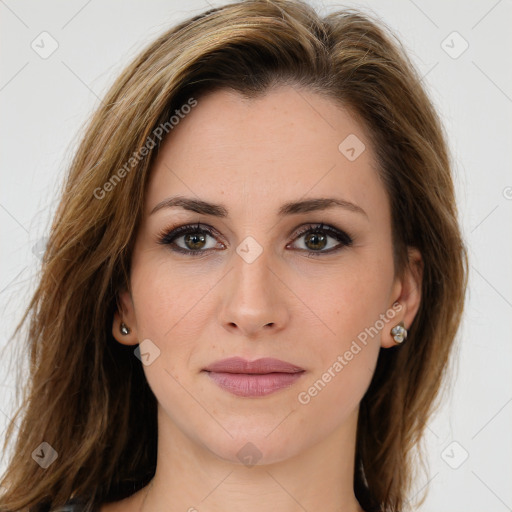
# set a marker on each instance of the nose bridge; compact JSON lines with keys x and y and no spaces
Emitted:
{"x":252,"y":300}
{"x":252,"y":275}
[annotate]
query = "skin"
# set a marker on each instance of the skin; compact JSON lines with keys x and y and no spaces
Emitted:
{"x":252,"y":156}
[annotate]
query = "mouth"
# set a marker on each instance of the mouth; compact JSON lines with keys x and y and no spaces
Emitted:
{"x":253,"y":378}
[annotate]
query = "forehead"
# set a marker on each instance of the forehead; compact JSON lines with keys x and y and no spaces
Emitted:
{"x":284,"y":145}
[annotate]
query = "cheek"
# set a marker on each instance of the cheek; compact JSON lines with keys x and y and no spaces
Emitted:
{"x":168,"y":311}
{"x":344,"y":361}
{"x":353,"y":312}
{"x":349,"y":299}
{"x":173,"y":310}
{"x":165,"y":298}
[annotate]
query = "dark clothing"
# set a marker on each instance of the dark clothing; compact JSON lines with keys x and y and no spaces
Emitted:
{"x":73,"y":505}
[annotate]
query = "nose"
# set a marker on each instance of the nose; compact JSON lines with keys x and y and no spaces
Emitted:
{"x":253,"y":298}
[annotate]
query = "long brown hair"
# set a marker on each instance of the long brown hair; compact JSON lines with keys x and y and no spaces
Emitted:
{"x":87,"y":396}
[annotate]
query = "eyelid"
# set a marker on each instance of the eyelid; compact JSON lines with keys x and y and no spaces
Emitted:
{"x":321,"y":226}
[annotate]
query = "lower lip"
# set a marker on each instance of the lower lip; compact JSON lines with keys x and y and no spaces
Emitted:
{"x":243,"y":384}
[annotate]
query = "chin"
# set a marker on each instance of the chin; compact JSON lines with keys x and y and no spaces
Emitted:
{"x":255,"y":446}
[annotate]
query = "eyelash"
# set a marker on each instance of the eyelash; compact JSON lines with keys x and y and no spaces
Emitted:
{"x":167,"y":237}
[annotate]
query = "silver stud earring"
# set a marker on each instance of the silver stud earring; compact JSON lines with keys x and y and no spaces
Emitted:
{"x":124,"y":329}
{"x":399,"y":333}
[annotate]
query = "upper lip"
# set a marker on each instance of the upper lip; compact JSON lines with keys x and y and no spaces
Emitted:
{"x":261,"y":366}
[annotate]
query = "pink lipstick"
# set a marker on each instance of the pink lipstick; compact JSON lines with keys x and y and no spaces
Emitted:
{"x":253,"y":378}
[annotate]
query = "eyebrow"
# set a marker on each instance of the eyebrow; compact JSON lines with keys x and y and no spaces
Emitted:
{"x":291,"y":208}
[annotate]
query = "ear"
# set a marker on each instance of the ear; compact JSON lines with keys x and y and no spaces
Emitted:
{"x":406,"y":296}
{"x":125,"y":313}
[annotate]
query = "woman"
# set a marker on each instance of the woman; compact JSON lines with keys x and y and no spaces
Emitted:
{"x":253,"y":282}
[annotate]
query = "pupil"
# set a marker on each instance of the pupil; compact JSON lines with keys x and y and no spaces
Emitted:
{"x":315,"y":237}
{"x":188,"y":238}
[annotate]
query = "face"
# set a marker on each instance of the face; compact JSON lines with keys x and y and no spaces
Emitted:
{"x":313,"y":287}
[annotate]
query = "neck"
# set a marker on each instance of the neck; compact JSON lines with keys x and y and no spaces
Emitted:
{"x":189,"y":477}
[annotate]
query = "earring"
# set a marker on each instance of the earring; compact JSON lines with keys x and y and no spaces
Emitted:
{"x":399,"y":333}
{"x":124,"y":329}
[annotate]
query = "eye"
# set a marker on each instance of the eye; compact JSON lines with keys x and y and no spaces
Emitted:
{"x":195,"y":239}
{"x":316,"y":239}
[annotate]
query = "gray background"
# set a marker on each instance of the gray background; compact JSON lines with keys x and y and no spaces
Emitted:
{"x":45,"y":101}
